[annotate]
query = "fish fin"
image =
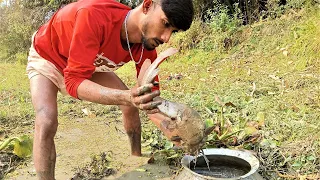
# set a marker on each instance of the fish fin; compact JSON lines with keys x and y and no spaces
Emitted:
{"x":143,"y":70}
{"x":207,"y":131}
{"x":148,"y":74}
{"x":165,"y":54}
{"x":153,"y":74}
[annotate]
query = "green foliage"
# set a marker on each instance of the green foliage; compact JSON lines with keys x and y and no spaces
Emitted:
{"x":270,"y":72}
{"x":220,"y":20}
{"x":161,"y":148}
{"x":214,"y":34}
{"x":22,"y":146}
{"x":230,"y":128}
{"x":97,"y":169}
{"x":131,"y":3}
{"x":55,"y":4}
{"x":22,"y":57}
{"x":19,"y":21}
{"x":298,"y":4}
{"x":15,"y":35}
{"x":191,"y":38}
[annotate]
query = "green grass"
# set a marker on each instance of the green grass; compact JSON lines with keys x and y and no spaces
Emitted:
{"x":15,"y":104}
{"x":287,"y":88}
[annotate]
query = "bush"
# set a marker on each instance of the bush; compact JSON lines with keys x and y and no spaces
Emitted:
{"x":15,"y":35}
{"x":22,"y":58}
{"x":220,"y":20}
{"x":212,"y":34}
{"x":19,"y":21}
{"x":192,"y":37}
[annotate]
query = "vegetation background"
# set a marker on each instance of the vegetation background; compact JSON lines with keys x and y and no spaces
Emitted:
{"x":255,"y":64}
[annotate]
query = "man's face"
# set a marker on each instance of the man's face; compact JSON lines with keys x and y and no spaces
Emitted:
{"x":156,"y":28}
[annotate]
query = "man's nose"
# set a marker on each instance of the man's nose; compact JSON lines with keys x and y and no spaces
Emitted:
{"x":166,"y":35}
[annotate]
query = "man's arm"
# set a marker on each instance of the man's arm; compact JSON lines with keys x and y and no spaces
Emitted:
{"x":140,"y":97}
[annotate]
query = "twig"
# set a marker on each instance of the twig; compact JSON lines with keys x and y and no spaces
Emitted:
{"x":218,"y":100}
{"x":253,"y":89}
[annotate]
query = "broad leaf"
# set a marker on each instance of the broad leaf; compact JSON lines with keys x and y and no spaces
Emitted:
{"x":23,"y":147}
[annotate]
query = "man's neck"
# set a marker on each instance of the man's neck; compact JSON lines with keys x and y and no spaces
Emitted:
{"x":133,"y":29}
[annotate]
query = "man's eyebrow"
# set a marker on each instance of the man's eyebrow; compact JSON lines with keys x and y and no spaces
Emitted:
{"x":170,"y":23}
{"x":165,"y":18}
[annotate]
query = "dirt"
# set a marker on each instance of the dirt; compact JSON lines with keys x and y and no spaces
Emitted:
{"x":78,"y":140}
{"x":8,"y":163}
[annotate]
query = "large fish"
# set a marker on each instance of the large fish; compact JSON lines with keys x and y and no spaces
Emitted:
{"x":186,"y":121}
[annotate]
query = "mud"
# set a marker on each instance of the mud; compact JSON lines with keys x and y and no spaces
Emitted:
{"x":8,"y":163}
{"x":78,"y":140}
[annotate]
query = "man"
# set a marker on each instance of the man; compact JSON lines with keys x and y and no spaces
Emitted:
{"x":75,"y":53}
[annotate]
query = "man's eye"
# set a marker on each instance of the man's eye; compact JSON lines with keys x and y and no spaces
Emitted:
{"x":166,"y":24}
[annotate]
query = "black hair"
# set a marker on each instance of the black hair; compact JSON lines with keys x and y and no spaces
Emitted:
{"x":179,"y":12}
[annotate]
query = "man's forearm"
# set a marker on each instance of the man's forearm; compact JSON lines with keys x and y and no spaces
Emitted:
{"x":94,"y":92}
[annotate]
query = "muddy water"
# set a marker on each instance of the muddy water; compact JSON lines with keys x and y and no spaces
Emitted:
{"x":220,"y":171}
{"x":219,"y":166}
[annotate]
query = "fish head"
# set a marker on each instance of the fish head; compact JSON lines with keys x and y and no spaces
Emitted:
{"x":191,"y":129}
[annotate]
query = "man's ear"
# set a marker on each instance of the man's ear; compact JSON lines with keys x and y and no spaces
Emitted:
{"x":146,"y":6}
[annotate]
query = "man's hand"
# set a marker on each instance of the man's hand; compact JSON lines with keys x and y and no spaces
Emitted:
{"x":142,"y":98}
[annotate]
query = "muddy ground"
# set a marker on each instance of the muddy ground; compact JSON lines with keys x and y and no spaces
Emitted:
{"x":79,"y":140}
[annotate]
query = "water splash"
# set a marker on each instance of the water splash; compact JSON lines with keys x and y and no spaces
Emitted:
{"x":196,"y":156}
{"x":205,"y":158}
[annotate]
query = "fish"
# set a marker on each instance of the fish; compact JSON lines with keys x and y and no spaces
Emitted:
{"x":186,"y":121}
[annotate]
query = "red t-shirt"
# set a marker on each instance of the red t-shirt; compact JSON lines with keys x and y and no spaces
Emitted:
{"x":83,"y":38}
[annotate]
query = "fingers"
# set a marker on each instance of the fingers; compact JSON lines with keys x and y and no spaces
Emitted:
{"x":142,"y":90}
{"x":145,"y":102}
{"x":150,"y":105}
{"x":142,"y":98}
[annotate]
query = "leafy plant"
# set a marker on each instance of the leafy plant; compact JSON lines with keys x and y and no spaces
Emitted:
{"x":22,"y":146}
{"x":226,"y":134}
{"x":98,"y":168}
{"x":162,"y":150}
{"x":220,"y":20}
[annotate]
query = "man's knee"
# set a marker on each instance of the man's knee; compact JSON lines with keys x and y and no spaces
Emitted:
{"x":46,"y":122}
